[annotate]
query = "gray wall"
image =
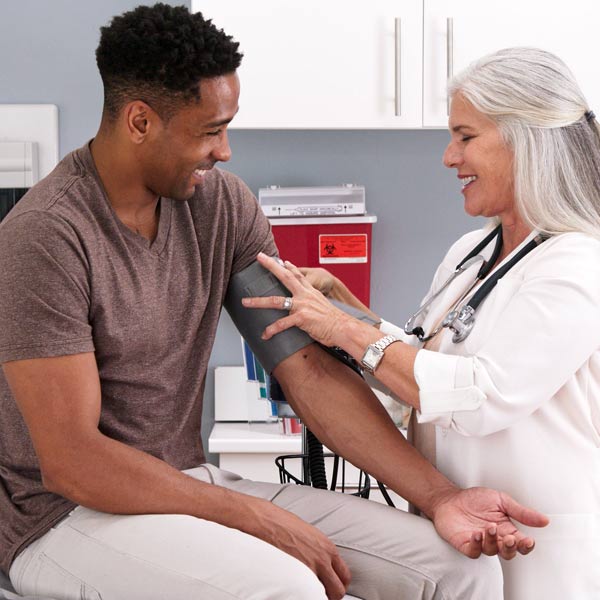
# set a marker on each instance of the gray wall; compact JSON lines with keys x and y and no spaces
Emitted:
{"x":47,"y":56}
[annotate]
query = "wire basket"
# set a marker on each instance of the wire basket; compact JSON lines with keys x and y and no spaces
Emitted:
{"x":362,"y":490}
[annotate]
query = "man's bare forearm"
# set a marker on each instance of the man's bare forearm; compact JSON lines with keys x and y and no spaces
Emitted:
{"x":122,"y":480}
{"x":109,"y":476}
{"x":342,"y":411}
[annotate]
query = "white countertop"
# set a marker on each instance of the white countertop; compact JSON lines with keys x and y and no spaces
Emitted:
{"x":252,"y":438}
{"x":257,"y":438}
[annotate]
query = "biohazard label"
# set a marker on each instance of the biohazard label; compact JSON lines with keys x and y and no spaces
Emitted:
{"x":343,"y":248}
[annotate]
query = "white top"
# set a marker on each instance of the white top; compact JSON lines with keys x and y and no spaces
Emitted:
{"x":517,"y":404}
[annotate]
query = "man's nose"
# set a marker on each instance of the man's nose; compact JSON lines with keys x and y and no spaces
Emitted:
{"x":222,"y":152}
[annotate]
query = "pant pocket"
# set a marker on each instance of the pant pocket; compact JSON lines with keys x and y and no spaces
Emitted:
{"x":53,"y":581}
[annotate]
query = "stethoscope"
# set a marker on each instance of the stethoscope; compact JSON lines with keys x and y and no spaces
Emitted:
{"x":460,"y":319}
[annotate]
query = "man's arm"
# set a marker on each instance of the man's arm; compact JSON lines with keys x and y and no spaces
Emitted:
{"x":60,"y":400}
{"x":341,"y":410}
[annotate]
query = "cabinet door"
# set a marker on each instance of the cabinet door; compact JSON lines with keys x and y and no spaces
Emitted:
{"x":569,"y":29}
{"x":325,"y":65}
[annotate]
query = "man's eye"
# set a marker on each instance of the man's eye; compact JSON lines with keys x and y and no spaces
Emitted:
{"x":466,"y":138}
{"x":213,"y":133}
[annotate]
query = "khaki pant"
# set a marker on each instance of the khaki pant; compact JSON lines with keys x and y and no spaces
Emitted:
{"x":392,"y":555}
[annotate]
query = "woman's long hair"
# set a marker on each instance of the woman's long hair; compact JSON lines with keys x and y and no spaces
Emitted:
{"x":545,"y":120}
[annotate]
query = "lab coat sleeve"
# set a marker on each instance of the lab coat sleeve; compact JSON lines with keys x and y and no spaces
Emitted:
{"x":391,"y":329}
{"x":543,"y":335}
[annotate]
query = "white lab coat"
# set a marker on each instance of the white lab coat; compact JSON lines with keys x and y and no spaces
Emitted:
{"x":517,"y":404}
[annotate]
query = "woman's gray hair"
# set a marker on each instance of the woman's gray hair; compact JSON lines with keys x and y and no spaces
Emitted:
{"x":544,"y":118}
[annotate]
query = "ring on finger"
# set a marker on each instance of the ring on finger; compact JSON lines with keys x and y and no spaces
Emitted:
{"x":288,"y":303}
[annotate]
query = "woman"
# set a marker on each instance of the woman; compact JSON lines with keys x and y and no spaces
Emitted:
{"x":514,"y":394}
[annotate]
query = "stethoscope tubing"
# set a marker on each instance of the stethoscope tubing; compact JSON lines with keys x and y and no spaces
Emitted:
{"x":461,"y":320}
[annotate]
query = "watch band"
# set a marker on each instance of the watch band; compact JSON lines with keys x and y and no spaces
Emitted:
{"x":384,"y":342}
{"x":374,"y":352}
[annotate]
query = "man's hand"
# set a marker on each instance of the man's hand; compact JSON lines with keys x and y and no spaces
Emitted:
{"x":478,"y":520}
{"x":301,"y":540}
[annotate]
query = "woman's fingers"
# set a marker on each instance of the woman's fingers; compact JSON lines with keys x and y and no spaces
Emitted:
{"x":278,"y":326}
{"x":294,"y":269}
{"x":299,"y":275}
{"x":276,"y":302}
{"x":318,"y":278}
{"x":274,"y":266}
{"x":306,"y":307}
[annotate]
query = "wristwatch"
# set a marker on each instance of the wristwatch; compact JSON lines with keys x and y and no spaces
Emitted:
{"x":374,"y":352}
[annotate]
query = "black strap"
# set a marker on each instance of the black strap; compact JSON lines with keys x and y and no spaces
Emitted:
{"x":487,"y":266}
{"x":489,"y":285}
{"x":484,"y":269}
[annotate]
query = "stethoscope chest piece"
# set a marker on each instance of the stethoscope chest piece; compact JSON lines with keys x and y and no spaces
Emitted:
{"x":460,"y":322}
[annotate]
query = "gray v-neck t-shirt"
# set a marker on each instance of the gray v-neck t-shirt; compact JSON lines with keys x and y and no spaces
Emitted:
{"x":74,"y":279}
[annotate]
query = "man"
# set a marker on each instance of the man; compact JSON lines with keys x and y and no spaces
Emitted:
{"x":114,"y":270}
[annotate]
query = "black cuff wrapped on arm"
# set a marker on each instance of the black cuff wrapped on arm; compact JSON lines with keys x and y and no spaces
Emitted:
{"x":255,"y":280}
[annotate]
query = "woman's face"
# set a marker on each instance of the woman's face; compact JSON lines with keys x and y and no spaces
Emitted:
{"x":483,"y":162}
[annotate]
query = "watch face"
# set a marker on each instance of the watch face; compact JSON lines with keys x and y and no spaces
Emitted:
{"x":371,"y":357}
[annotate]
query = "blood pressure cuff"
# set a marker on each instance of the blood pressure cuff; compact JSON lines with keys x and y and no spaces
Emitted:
{"x":355,"y":312}
{"x":255,"y":280}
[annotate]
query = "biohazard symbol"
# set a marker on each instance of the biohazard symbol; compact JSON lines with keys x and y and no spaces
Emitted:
{"x":329,"y":249}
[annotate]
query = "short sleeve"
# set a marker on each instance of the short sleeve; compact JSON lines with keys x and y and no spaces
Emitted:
{"x":44,"y":289}
{"x":253,"y":234}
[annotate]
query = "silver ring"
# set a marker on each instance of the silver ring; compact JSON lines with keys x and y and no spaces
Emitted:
{"x":288,"y":303}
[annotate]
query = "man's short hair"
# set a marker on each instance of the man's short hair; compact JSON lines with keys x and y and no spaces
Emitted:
{"x":159,"y":54}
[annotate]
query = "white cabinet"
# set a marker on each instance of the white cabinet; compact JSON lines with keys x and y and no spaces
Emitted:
{"x":348,"y":64}
{"x":569,"y":29}
{"x":328,"y":64}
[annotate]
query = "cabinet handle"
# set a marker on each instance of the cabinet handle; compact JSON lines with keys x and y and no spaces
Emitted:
{"x":449,"y":57}
{"x":398,"y":66}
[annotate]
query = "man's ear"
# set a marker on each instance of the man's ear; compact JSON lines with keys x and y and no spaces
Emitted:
{"x":140,"y":120}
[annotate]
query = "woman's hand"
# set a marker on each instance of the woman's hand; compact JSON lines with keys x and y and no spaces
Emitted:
{"x":310,"y":310}
{"x":320,"y":279}
{"x":332,"y":287}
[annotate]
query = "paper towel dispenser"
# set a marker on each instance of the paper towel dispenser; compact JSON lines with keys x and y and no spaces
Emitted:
{"x":18,"y":164}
